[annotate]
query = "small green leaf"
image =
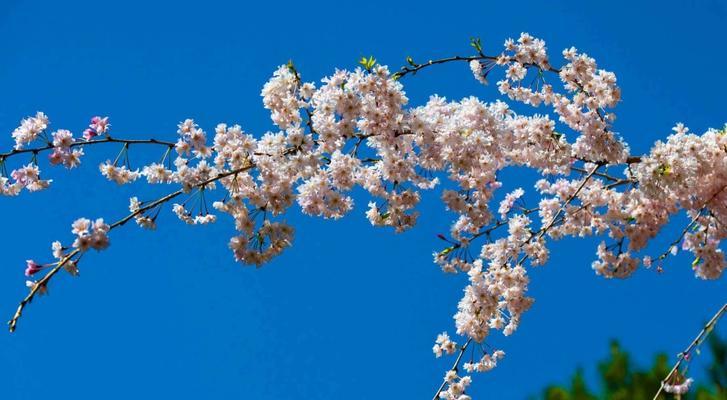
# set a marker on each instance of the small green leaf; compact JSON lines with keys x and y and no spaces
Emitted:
{"x":291,"y":67}
{"x":696,"y":261}
{"x":664,"y":170}
{"x":411,"y":61}
{"x":368,"y":63}
{"x":476,"y":43}
{"x":446,"y":251}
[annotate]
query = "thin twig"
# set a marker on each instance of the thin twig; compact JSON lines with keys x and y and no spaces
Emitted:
{"x":570,"y":199}
{"x":44,"y":281}
{"x":599,"y":174}
{"x":36,"y":150}
{"x":689,"y":226}
{"x":697,"y":340}
{"x":41,"y":284}
{"x":413,"y":69}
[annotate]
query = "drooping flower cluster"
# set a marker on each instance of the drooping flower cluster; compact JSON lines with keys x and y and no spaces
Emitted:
{"x":456,"y":386}
{"x":90,"y":234}
{"x":120,"y":175}
{"x":477,"y":68}
{"x":62,"y":152}
{"x":681,"y":388}
{"x":142,"y":220}
{"x":29,"y":130}
{"x":269,"y":240}
{"x":444,"y":345}
{"x":494,"y":299}
{"x":486,"y":363}
{"x":192,"y":138}
{"x":26,"y":177}
{"x":280,"y":97}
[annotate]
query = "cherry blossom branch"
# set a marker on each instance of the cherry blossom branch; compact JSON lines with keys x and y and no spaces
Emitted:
{"x":365,"y":111}
{"x":39,"y":286}
{"x":42,"y":283}
{"x":570,"y":199}
{"x":684,"y":355}
{"x":108,"y":139}
{"x":454,"y":367}
{"x":413,"y":68}
{"x":544,"y":230}
{"x":599,"y":174}
{"x":686,"y":229}
{"x":499,"y":224}
{"x":679,"y":238}
{"x":629,"y":160}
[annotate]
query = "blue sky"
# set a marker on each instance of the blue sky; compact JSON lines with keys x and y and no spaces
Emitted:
{"x":349,"y":311}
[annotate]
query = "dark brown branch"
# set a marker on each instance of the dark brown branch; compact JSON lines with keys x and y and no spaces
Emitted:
{"x":413,"y":69}
{"x":81,"y":143}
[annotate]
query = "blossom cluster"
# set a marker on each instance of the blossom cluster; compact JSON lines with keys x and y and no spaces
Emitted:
{"x":61,"y":143}
{"x":680,"y":388}
{"x":90,"y":234}
{"x":444,"y":345}
{"x":29,"y":130}
{"x":62,"y":152}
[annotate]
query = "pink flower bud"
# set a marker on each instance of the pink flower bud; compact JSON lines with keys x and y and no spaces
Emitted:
{"x":32,"y":267}
{"x":89,"y":134}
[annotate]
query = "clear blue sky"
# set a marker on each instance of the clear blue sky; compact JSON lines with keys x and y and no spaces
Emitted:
{"x":350,"y":311}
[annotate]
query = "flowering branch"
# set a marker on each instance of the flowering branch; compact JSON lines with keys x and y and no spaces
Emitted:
{"x":681,"y":388}
{"x":454,"y":368}
{"x":414,"y":68}
{"x":356,"y":129}
{"x":568,"y":201}
{"x":108,"y":139}
{"x":41,"y":285}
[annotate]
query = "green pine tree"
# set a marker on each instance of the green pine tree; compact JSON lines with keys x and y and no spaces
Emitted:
{"x":621,"y":380}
